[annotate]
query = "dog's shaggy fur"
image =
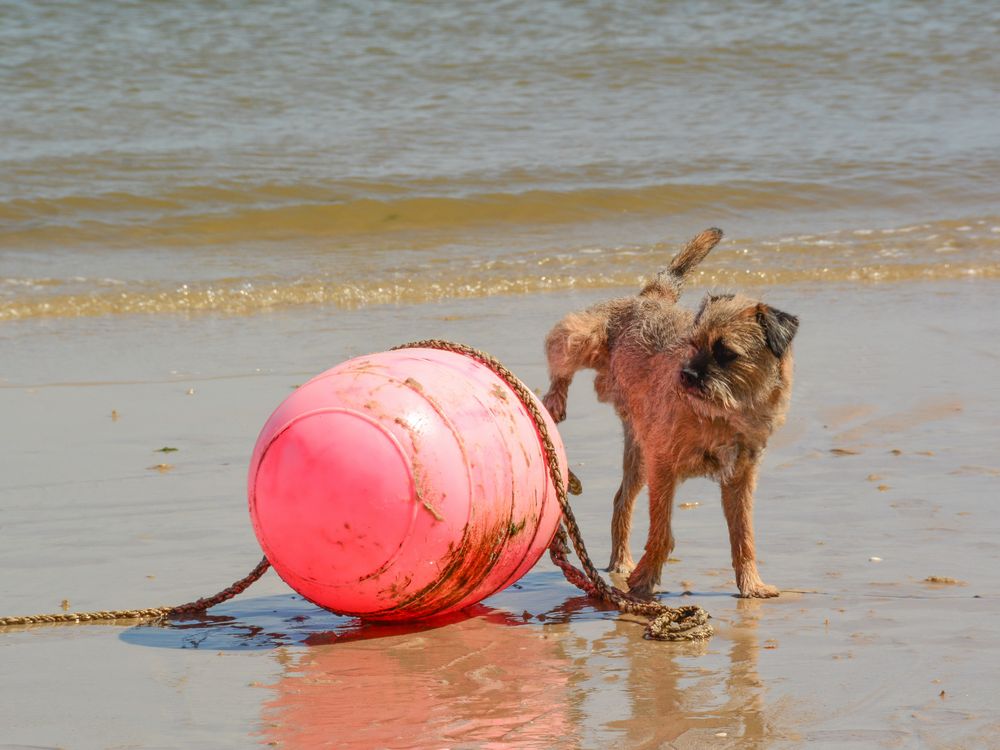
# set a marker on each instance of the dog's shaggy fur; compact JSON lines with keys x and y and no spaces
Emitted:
{"x":698,"y":395}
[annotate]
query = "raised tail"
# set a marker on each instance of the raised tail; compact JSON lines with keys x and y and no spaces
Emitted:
{"x":694,"y":253}
{"x":671,"y":279}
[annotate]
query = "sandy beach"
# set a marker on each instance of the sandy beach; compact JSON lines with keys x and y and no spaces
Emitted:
{"x":883,"y":477}
{"x":203,"y":205}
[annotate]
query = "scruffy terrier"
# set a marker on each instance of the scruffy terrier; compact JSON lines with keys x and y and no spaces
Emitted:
{"x":698,"y":395}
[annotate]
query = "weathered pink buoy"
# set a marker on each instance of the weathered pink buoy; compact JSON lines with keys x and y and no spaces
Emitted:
{"x":403,"y":485}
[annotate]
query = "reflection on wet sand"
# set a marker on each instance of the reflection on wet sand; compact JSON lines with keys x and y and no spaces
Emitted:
{"x":685,"y":694}
{"x":582,"y":678}
{"x":489,"y":681}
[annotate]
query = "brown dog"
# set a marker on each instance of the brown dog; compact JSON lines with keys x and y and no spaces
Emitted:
{"x":698,"y":395}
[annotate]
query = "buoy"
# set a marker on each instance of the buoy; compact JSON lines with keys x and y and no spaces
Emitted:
{"x":403,"y":485}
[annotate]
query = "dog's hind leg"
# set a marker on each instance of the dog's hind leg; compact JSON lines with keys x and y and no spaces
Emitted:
{"x":578,"y":341}
{"x":555,"y":398}
{"x":633,"y":479}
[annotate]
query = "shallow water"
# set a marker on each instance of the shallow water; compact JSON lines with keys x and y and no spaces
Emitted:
{"x":188,"y":157}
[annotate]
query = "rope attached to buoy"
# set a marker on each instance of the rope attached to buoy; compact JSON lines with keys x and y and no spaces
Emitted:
{"x":153,"y":613}
{"x":688,"y":623}
{"x":666,"y":623}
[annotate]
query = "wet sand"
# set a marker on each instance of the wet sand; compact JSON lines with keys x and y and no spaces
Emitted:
{"x":885,"y":475}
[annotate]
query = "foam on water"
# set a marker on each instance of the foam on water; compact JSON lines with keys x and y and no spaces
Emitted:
{"x":940,"y":252}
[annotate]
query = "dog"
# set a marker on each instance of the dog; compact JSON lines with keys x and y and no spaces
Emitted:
{"x":698,"y":394}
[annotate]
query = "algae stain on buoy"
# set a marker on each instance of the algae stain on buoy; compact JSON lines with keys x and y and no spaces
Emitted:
{"x":403,"y":485}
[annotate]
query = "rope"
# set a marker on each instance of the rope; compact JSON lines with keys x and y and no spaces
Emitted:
{"x":154,"y":613}
{"x":670,"y":624}
{"x":687,"y":623}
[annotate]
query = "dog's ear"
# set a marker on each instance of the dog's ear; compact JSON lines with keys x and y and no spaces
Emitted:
{"x":779,"y":328}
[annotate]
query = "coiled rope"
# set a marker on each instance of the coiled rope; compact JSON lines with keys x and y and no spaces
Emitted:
{"x":687,"y":623}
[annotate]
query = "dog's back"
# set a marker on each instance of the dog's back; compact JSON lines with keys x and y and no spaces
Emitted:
{"x":583,"y":340}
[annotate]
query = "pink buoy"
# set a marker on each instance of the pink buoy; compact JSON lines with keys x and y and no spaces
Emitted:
{"x":403,"y":485}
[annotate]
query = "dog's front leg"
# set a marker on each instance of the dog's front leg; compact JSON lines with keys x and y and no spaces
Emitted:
{"x":737,"y":503}
{"x":660,"y":542}
{"x":621,"y":520}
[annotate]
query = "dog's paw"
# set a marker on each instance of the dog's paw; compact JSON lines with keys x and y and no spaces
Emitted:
{"x":759,"y":591}
{"x":555,"y":404}
{"x":641,"y":584}
{"x":620,"y":567}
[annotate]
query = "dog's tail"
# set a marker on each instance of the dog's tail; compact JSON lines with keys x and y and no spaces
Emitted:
{"x":671,"y":279}
{"x":694,"y":253}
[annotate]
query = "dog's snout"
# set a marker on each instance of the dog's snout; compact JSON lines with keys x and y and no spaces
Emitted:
{"x":694,"y":371}
{"x":690,"y":377}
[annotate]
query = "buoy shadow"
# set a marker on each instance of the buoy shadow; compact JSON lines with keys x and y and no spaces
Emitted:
{"x":272,"y":622}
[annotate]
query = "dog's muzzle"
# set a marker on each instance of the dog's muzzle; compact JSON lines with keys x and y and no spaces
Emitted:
{"x":692,"y":380}
{"x":694,"y":372}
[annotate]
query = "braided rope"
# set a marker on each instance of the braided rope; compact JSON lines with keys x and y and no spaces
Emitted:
{"x":687,"y":623}
{"x":83,"y":617}
{"x":153,"y":613}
